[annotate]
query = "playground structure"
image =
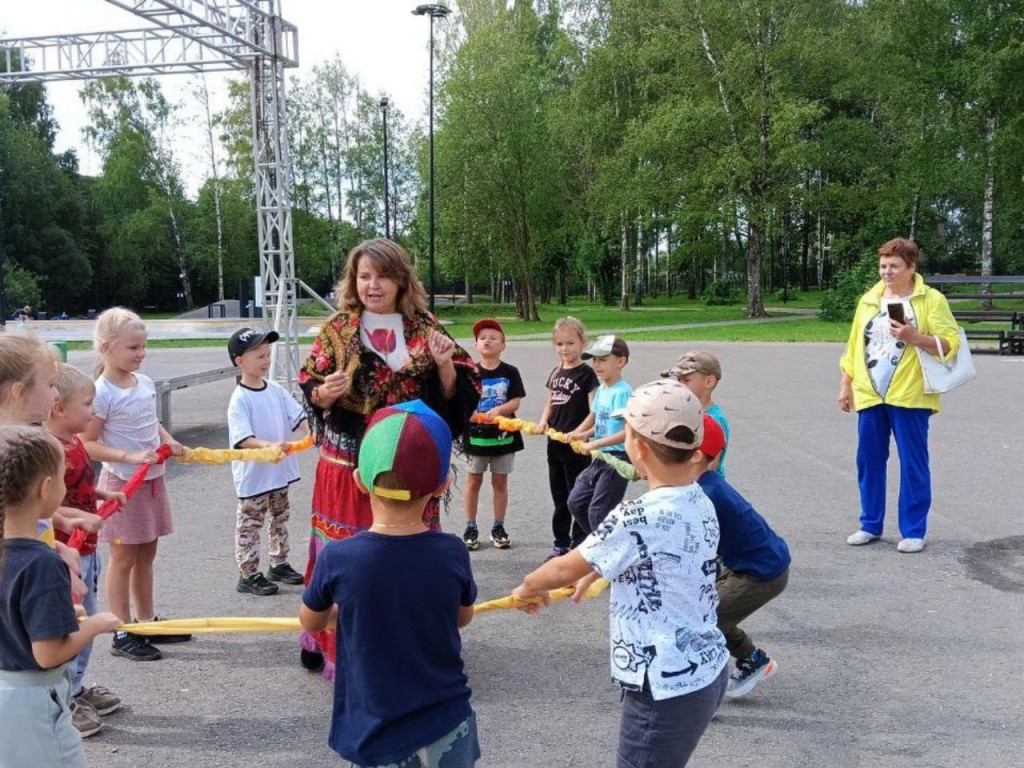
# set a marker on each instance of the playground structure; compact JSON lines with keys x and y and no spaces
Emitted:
{"x":195,"y":37}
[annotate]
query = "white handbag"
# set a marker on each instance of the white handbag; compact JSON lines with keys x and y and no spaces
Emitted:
{"x":943,"y":375}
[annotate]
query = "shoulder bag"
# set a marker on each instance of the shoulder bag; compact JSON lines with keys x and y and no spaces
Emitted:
{"x":942,"y":374}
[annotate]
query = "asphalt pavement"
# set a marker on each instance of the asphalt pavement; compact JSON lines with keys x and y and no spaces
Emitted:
{"x":885,"y":659}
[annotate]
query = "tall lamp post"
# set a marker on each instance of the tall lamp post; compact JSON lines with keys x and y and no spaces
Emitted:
{"x":434,"y":12}
{"x":387,"y":205}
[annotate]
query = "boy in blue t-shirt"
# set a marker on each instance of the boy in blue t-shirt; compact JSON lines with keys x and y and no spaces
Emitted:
{"x":701,"y":372}
{"x":755,"y":566}
{"x":398,"y":594}
{"x":599,"y":488}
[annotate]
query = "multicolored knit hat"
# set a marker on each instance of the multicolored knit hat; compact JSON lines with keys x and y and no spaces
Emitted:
{"x":410,"y":441}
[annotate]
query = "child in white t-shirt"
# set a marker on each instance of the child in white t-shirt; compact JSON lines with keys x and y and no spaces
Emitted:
{"x":261,"y":413}
{"x":659,"y":553}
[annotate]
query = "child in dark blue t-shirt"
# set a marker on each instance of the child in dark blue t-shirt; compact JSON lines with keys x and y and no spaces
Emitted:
{"x":399,"y":593}
{"x":755,"y":566}
{"x":39,"y":631}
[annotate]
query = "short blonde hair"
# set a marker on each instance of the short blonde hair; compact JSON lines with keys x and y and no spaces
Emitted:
{"x":71,"y":382}
{"x":390,"y":260}
{"x":570,"y":323}
{"x":19,"y":356}
{"x":111,"y":325}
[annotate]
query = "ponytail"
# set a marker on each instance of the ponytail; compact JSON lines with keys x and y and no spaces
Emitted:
{"x":27,"y":454}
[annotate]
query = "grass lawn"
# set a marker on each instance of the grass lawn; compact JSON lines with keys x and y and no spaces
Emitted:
{"x":811,"y":329}
{"x":596,"y":317}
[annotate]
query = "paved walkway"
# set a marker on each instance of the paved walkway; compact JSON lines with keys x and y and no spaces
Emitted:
{"x":888,"y":660}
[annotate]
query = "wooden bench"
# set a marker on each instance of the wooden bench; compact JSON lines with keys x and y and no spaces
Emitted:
{"x":1014,"y":342}
{"x":987,"y":334}
{"x":988,"y":316}
{"x":164,"y":387}
{"x":979,"y":296}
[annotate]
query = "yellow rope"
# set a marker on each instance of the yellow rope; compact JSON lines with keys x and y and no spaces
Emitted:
{"x":621,"y":467}
{"x":270,"y":453}
{"x":230,"y":625}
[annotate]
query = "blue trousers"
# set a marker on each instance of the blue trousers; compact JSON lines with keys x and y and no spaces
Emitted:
{"x":91,"y":577}
{"x":910,"y":428}
{"x":597,"y":491}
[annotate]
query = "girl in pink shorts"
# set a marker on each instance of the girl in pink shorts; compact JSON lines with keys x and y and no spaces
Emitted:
{"x":125,"y":434}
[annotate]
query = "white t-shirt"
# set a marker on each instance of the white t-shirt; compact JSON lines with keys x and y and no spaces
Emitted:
{"x":269,"y":414}
{"x":130,"y":422}
{"x":385,"y":335}
{"x":659,"y":553}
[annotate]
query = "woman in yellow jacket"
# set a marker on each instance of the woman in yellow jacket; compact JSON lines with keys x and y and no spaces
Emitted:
{"x":882,"y":380}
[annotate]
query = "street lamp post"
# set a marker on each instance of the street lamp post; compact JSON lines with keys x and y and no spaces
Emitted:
{"x":434,"y":12}
{"x":387,"y":205}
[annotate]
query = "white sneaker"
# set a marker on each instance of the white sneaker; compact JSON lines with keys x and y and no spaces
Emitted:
{"x":910,"y":545}
{"x":861,"y":537}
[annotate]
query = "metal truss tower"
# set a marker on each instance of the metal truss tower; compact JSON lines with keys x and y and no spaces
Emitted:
{"x":198,"y":36}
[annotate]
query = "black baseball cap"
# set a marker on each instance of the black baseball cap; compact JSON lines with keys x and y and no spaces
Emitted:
{"x":244,"y":339}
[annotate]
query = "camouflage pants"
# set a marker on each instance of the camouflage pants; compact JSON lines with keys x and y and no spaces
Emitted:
{"x":252,"y":513}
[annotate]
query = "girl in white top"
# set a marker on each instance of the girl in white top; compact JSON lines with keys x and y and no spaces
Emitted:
{"x":125,"y":434}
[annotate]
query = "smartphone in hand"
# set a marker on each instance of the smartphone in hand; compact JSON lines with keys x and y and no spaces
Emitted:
{"x":896,"y":313}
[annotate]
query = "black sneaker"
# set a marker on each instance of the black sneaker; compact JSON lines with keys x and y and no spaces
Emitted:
{"x":498,"y":536}
{"x":133,"y":647}
{"x":285,"y":573}
{"x":311,"y":660}
{"x":256,"y":584}
{"x":471,"y":538}
{"x":168,"y":639}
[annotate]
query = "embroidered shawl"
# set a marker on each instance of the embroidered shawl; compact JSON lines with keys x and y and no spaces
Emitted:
{"x":374,"y":385}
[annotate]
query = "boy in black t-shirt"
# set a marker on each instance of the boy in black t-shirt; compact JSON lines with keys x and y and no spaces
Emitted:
{"x":398,"y":594}
{"x":486,"y":446}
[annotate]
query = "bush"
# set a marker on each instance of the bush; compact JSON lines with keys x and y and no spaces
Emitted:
{"x":718,"y":293}
{"x":839,"y":302}
{"x":22,"y":287}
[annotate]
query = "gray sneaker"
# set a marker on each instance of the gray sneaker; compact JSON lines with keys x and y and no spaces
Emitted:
{"x":101,"y":699}
{"x":85,"y":719}
{"x":749,"y":672}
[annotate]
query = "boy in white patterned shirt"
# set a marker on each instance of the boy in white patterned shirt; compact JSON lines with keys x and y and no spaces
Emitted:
{"x":659,"y":553}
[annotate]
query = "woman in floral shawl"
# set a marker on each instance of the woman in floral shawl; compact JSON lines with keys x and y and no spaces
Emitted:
{"x":381,"y":348}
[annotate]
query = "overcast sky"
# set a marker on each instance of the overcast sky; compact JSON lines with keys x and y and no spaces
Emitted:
{"x":379,"y":40}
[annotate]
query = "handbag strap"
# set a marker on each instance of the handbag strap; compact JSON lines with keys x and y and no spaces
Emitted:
{"x":942,"y":352}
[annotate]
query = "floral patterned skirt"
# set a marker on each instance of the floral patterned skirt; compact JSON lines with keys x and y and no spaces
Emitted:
{"x":340,"y":510}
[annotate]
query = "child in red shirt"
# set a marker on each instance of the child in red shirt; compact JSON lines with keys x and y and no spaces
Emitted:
{"x":71,"y":414}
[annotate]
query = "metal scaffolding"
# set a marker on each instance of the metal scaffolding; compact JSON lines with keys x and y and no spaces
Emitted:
{"x":198,"y":36}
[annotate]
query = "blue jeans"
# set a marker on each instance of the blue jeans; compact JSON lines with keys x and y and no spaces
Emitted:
{"x":91,"y":577}
{"x":459,"y":748}
{"x":663,"y":734}
{"x":598,"y":490}
{"x":910,"y":428}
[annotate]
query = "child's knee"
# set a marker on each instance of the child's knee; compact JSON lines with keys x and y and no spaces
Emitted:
{"x":499,"y":482}
{"x":474,"y":481}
